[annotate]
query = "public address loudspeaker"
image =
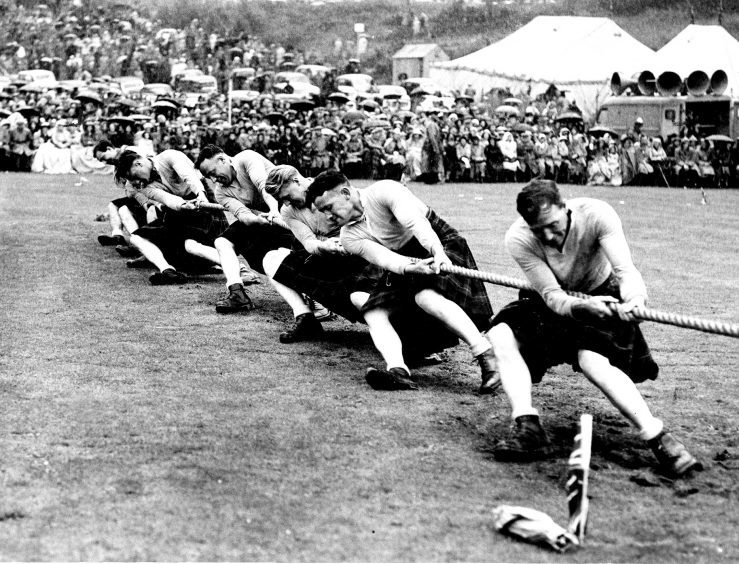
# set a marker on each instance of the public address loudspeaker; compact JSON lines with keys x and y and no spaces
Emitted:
{"x":719,"y":82}
{"x":669,"y":83}
{"x":697,"y":83}
{"x":647,"y":84}
{"x":619,"y":83}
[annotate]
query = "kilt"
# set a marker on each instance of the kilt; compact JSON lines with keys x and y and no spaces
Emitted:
{"x":547,"y":339}
{"x":468,"y":293}
{"x":254,"y":241}
{"x":329,"y":279}
{"x":171,"y":231}
{"x":137,"y":210}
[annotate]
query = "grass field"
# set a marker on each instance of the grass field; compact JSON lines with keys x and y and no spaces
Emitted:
{"x":138,"y":424}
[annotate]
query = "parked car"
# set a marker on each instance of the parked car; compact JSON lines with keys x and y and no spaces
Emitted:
{"x":129,"y":84}
{"x":193,"y":87}
{"x":40,"y":77}
{"x":293,"y":86}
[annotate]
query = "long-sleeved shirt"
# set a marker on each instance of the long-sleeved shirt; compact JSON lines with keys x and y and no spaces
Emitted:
{"x":594,"y":248}
{"x":309,"y":226}
{"x":246,"y":192}
{"x":392,"y":217}
{"x":179,"y":180}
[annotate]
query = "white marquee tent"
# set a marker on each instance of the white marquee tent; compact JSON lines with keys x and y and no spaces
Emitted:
{"x":576,"y":54}
{"x":701,"y":47}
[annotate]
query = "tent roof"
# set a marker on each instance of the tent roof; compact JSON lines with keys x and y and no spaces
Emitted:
{"x":701,"y":47}
{"x":415,"y":50}
{"x":561,"y":50}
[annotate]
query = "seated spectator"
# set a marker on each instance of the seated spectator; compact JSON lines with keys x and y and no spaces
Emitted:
{"x":613,"y":161}
{"x":509,"y":150}
{"x":464,"y":154}
{"x":353,"y":155}
{"x":55,"y":156}
{"x":644,"y":168}
{"x":704,"y":157}
{"x":394,"y":150}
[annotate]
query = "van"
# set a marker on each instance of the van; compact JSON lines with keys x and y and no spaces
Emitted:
{"x":665,"y":116}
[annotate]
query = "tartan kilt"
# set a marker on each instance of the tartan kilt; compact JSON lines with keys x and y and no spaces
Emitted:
{"x":171,"y":231}
{"x":547,"y":339}
{"x":256,"y":240}
{"x":468,"y":293}
{"x":328,"y":279}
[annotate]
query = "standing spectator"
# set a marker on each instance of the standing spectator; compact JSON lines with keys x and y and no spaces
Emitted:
{"x":433,"y":159}
{"x":477,"y":159}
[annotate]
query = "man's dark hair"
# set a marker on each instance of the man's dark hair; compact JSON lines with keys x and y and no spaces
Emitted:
{"x":327,"y":180}
{"x":207,"y":152}
{"x":536,"y":195}
{"x":102,"y":146}
{"x":123,"y":166}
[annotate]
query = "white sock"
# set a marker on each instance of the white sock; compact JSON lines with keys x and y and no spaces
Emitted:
{"x":525,"y":411}
{"x":654,"y":428}
{"x":480,"y":346}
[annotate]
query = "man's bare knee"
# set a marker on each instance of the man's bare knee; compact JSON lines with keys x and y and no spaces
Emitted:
{"x":358,"y":299}
{"x":503,"y":340}
{"x":426,"y":298}
{"x":592,"y":363}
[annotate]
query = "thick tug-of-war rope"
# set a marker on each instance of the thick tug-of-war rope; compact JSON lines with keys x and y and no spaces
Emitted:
{"x":647,"y":314}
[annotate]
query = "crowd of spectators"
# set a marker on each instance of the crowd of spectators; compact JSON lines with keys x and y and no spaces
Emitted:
{"x":503,"y":139}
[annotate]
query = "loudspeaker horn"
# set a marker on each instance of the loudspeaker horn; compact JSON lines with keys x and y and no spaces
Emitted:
{"x":697,"y":83}
{"x":669,"y":83}
{"x":619,"y":83}
{"x":719,"y":82}
{"x":647,"y":84}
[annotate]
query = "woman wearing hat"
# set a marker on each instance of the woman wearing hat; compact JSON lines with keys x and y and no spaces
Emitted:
{"x":54,"y":156}
{"x":414,"y":153}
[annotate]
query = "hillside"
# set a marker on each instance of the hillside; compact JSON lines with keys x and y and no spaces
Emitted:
{"x":458,"y":28}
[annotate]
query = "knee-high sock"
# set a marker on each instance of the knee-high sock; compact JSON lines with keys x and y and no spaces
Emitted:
{"x":152,"y":253}
{"x":271,"y":263}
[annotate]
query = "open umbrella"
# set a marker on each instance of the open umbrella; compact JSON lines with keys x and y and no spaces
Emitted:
{"x":27,"y":111}
{"x":569,"y":116}
{"x":600,"y":131}
{"x":370,"y":104}
{"x":302,"y":105}
{"x":532,"y":111}
{"x":140,"y":117}
{"x":90,"y":96}
{"x":274,"y":117}
{"x":720,"y":138}
{"x":327,"y":131}
{"x":127,"y":102}
{"x":338,"y":97}
{"x":164,"y":105}
{"x":405,"y":114}
{"x":122,"y":120}
{"x":508,"y":110}
{"x":513,"y":102}
{"x":354,"y":117}
{"x":420,"y":91}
